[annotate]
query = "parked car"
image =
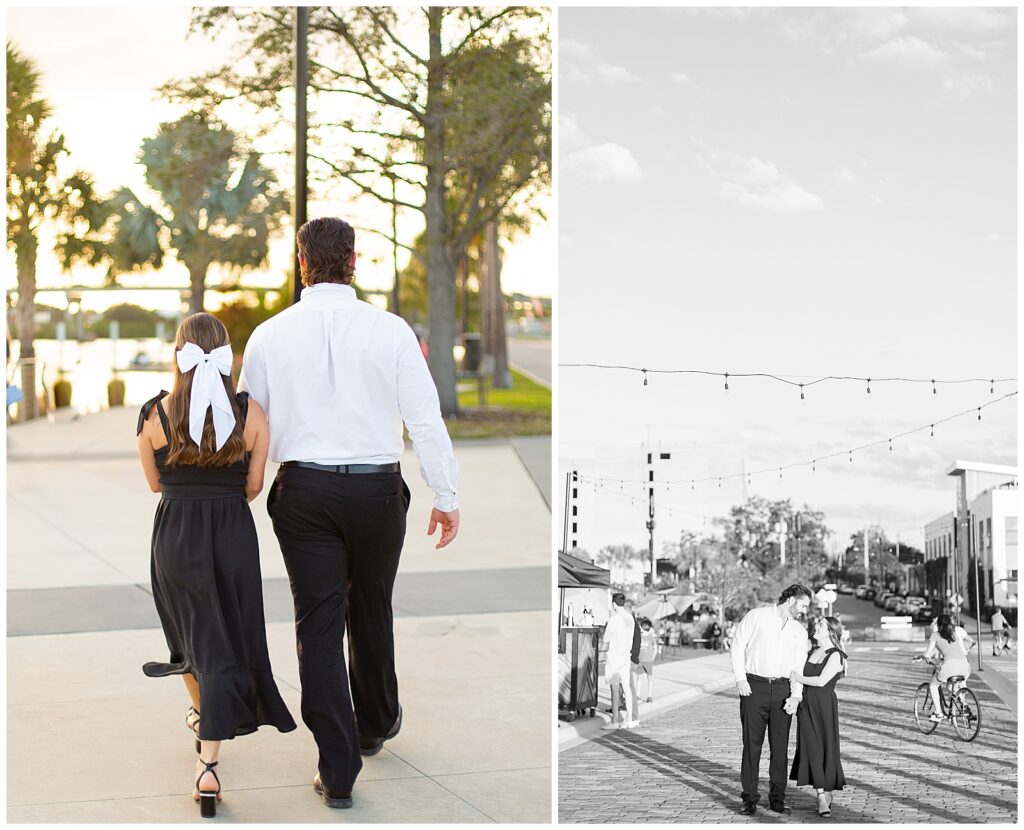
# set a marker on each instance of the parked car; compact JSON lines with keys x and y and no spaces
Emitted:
{"x":869,"y":593}
{"x":892,"y":601}
{"x":909,"y":605}
{"x":881,"y":597}
{"x":923,"y":613}
{"x":844,"y":588}
{"x":859,"y":591}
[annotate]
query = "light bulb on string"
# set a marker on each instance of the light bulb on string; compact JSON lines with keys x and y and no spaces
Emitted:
{"x":814,"y":466}
{"x":801,"y":391}
{"x":851,"y":456}
{"x":869,"y":386}
{"x":645,"y":377}
{"x":719,"y":482}
{"x":890,"y":445}
{"x":726,"y":381}
{"x":933,"y":431}
{"x":692,"y":487}
{"x":979,"y":413}
{"x":934,"y":390}
{"x":780,"y":473}
{"x":992,"y":386}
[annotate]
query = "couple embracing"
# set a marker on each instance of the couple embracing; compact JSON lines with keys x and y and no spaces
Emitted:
{"x":326,"y":386}
{"x":781,"y":670}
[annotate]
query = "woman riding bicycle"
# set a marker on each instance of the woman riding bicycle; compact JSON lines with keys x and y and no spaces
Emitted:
{"x":953,"y":643}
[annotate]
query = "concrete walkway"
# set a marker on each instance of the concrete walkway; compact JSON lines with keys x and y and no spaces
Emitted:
{"x":97,"y":741}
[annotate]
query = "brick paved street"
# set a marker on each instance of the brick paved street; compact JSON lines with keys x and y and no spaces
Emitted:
{"x":684,"y":765}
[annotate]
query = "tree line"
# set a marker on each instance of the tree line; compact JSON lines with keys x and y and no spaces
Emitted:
{"x":445,"y":112}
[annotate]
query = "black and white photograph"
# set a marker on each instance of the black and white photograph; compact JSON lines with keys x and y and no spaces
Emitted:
{"x":786,"y":415}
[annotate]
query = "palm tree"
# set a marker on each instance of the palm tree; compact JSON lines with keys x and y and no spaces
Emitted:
{"x":36,"y":195}
{"x":218,"y":204}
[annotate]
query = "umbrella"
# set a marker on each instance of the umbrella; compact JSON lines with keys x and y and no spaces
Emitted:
{"x":657,"y":607}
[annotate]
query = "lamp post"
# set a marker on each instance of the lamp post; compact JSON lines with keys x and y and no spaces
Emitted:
{"x":301,"y":76}
{"x":651,"y":578}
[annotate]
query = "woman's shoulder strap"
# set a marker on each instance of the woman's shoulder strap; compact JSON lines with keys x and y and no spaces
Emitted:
{"x":147,"y":408}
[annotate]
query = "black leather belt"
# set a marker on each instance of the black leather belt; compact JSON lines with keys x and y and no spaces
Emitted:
{"x":345,"y":468}
{"x":767,"y":679}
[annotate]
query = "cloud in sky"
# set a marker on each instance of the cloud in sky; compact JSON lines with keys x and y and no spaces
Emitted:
{"x":607,"y":162}
{"x":910,"y":51}
{"x":967,"y":85}
{"x":615,"y":74}
{"x":965,"y":19}
{"x":750,"y":181}
{"x":567,"y":47}
{"x":569,"y":133}
{"x":681,"y":78}
{"x":844,"y":175}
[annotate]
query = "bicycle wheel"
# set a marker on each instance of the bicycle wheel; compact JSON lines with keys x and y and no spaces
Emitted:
{"x":966,"y":714}
{"x":923,"y":709}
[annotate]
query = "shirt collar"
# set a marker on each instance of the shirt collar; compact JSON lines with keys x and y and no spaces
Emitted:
{"x":335,"y":289}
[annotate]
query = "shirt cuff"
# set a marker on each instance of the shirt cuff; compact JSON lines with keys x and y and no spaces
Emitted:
{"x":446,"y":503}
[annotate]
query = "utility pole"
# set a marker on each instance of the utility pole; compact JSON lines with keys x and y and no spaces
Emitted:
{"x":977,"y":579}
{"x":799,"y":561}
{"x":301,"y":76}
{"x":867,"y":572}
{"x":565,"y":515}
{"x":651,"y":578}
{"x":575,"y":509}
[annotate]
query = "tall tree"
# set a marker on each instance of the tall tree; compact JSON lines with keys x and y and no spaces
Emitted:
{"x":406,"y":79}
{"x":38,"y":194}
{"x":218,"y":204}
{"x":749,"y":531}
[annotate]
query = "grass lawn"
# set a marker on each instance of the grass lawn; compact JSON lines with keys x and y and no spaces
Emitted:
{"x":525,"y":409}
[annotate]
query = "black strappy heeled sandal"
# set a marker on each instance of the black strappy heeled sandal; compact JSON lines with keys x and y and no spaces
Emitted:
{"x":827,"y":812}
{"x":193,"y":725}
{"x":208,"y":798}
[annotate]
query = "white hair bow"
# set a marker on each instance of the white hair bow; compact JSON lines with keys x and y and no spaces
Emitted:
{"x":208,"y":390}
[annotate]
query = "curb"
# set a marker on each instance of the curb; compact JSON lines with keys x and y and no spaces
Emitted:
{"x":581,"y":731}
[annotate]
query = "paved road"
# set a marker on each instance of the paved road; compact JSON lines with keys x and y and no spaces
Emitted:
{"x":532,"y":355}
{"x":683,"y":766}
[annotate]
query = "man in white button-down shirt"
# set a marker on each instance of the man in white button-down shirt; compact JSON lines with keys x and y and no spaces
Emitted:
{"x":768,"y":645}
{"x":337,"y":378}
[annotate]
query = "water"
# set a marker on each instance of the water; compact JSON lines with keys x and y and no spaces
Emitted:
{"x":89,"y":367}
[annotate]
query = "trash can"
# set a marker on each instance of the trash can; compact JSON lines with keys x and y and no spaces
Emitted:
{"x":471,"y":359}
{"x":577,"y":671}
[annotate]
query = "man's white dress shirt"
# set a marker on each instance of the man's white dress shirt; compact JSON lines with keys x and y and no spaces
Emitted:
{"x":767,"y":644}
{"x":337,"y":377}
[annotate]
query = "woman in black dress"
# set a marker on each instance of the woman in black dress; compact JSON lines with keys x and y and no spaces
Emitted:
{"x":203,"y":448}
{"x":817,"y":761}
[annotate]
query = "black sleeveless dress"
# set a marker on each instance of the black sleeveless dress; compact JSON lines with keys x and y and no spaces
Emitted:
{"x":816,"y":761}
{"x":205,"y":570}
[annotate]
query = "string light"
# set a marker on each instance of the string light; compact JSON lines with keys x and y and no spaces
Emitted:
{"x":780,"y":473}
{"x":791,"y":380}
{"x":814,"y":461}
{"x":801,"y":391}
{"x":645,"y":378}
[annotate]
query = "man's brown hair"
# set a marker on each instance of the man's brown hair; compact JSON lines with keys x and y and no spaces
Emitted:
{"x":327,"y":245}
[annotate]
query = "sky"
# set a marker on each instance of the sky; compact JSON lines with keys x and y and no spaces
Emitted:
{"x":803,"y":192}
{"x":100,"y":70}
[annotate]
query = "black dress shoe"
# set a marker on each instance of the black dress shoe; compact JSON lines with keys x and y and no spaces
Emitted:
{"x":781,"y":809}
{"x":341,"y":802}
{"x":749,"y":808}
{"x":371,"y":746}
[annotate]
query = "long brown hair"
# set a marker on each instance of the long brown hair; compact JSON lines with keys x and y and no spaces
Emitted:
{"x":208,"y":333}
{"x":835,"y":634}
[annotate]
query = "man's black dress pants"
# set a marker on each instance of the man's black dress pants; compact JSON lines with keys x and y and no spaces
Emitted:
{"x":341,"y":536}
{"x":759,"y":711}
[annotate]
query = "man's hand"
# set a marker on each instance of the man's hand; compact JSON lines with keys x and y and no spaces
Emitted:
{"x":744,"y":687}
{"x":795,"y":677}
{"x":791,"y":704}
{"x":449,"y":526}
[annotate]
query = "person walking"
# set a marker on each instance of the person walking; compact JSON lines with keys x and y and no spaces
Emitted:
{"x":817,"y":760}
{"x":205,"y":453}
{"x":768,"y":644}
{"x":337,"y":378}
{"x":649,"y":649}
{"x":618,"y":637}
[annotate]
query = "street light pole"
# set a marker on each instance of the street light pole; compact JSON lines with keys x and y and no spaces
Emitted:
{"x":977,"y":579}
{"x":301,"y":77}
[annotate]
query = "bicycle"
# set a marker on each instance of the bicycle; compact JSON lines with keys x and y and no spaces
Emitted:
{"x":1004,"y":643}
{"x":959,"y":705}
